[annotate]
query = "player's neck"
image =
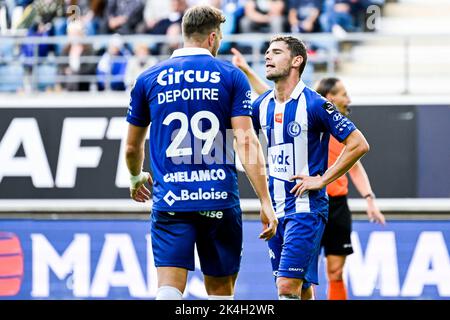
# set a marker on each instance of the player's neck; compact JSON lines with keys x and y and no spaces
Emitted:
{"x":284,"y":88}
{"x":192,"y":44}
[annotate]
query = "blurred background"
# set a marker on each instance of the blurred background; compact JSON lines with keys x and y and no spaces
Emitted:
{"x":67,"y":227}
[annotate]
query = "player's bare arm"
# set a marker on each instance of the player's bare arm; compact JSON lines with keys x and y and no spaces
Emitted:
{"x":355,"y":147}
{"x":250,"y":153}
{"x":256,"y":82}
{"x":134,"y":155}
{"x":361,"y":181}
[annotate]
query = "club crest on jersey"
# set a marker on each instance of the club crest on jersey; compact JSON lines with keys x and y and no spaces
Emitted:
{"x":329,"y":107}
{"x":294,"y":129}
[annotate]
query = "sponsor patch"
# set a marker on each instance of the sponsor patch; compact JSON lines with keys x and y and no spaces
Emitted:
{"x":281,"y":161}
{"x":279,"y":117}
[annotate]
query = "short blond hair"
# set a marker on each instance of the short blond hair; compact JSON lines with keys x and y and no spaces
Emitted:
{"x":201,"y":21}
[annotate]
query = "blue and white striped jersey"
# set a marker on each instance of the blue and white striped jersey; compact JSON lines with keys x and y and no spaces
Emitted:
{"x":189,"y":100}
{"x":297,"y":133}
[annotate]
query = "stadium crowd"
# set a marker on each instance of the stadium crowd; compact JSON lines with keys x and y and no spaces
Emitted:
{"x":79,"y":66}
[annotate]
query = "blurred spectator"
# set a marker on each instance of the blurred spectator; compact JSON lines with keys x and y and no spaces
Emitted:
{"x":76,"y":52}
{"x":112,"y":65}
{"x":304,"y":15}
{"x":17,"y":8}
{"x":91,"y":13}
{"x":123,"y":16}
{"x":11,"y":12}
{"x":137,"y":64}
{"x":170,"y":26}
{"x":38,"y":65}
{"x":42,"y":11}
{"x":175,"y":14}
{"x":341,"y":16}
{"x":154,"y":12}
{"x":263,"y":16}
{"x":48,"y":13}
{"x":11,"y":70}
{"x":31,"y":51}
{"x":233,"y":11}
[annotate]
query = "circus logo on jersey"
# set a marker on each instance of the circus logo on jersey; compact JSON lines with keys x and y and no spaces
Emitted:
{"x":170,"y":76}
{"x":294,"y":129}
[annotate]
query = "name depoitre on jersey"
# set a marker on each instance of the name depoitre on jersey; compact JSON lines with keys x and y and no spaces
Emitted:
{"x":170,"y":77}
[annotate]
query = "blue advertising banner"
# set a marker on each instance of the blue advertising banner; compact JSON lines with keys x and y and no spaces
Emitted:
{"x":112,"y":259}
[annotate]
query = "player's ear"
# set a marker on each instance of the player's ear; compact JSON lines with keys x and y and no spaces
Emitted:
{"x":297,"y":61}
{"x":211,"y":38}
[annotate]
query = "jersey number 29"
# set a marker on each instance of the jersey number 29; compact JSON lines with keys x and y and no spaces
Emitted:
{"x":208,"y":136}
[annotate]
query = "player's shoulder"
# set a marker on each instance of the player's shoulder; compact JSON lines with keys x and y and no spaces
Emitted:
{"x":227,"y":65}
{"x":316,"y":102}
{"x":230,"y":69}
{"x":258,"y":100}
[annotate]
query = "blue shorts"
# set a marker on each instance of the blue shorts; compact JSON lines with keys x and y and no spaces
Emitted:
{"x":216,"y":233}
{"x":294,"y":250}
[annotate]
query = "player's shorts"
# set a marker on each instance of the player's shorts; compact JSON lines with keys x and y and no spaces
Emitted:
{"x":336,"y":237}
{"x":217,"y":234}
{"x":294,"y":250}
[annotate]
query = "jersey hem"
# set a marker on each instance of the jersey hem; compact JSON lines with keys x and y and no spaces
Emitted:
{"x":157,"y":208}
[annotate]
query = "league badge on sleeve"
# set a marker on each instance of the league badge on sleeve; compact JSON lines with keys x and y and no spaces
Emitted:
{"x":329,"y":107}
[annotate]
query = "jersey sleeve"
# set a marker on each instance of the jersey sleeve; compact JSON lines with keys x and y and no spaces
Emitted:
{"x":138,"y":111}
{"x":255,"y":117}
{"x":241,"y":99}
{"x":256,"y":110}
{"x":332,"y":121}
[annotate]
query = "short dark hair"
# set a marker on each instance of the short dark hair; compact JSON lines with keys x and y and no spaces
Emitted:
{"x":296,"y":47}
{"x":326,"y":86}
{"x":201,"y":20}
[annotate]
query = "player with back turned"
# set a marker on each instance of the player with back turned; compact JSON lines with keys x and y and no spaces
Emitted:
{"x":191,"y":101}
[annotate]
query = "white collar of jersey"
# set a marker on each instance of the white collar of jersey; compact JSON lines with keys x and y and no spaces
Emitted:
{"x":298,"y":90}
{"x":296,"y":93}
{"x":190,"y":52}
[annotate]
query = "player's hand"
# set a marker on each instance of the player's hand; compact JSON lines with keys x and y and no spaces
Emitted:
{"x":307,"y":25}
{"x":138,"y":190}
{"x":269,"y":221}
{"x":306,"y":183}
{"x":239,"y":61}
{"x":374,"y":213}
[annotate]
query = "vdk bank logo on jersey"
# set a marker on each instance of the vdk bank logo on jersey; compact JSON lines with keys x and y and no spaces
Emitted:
{"x":281,"y":161}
